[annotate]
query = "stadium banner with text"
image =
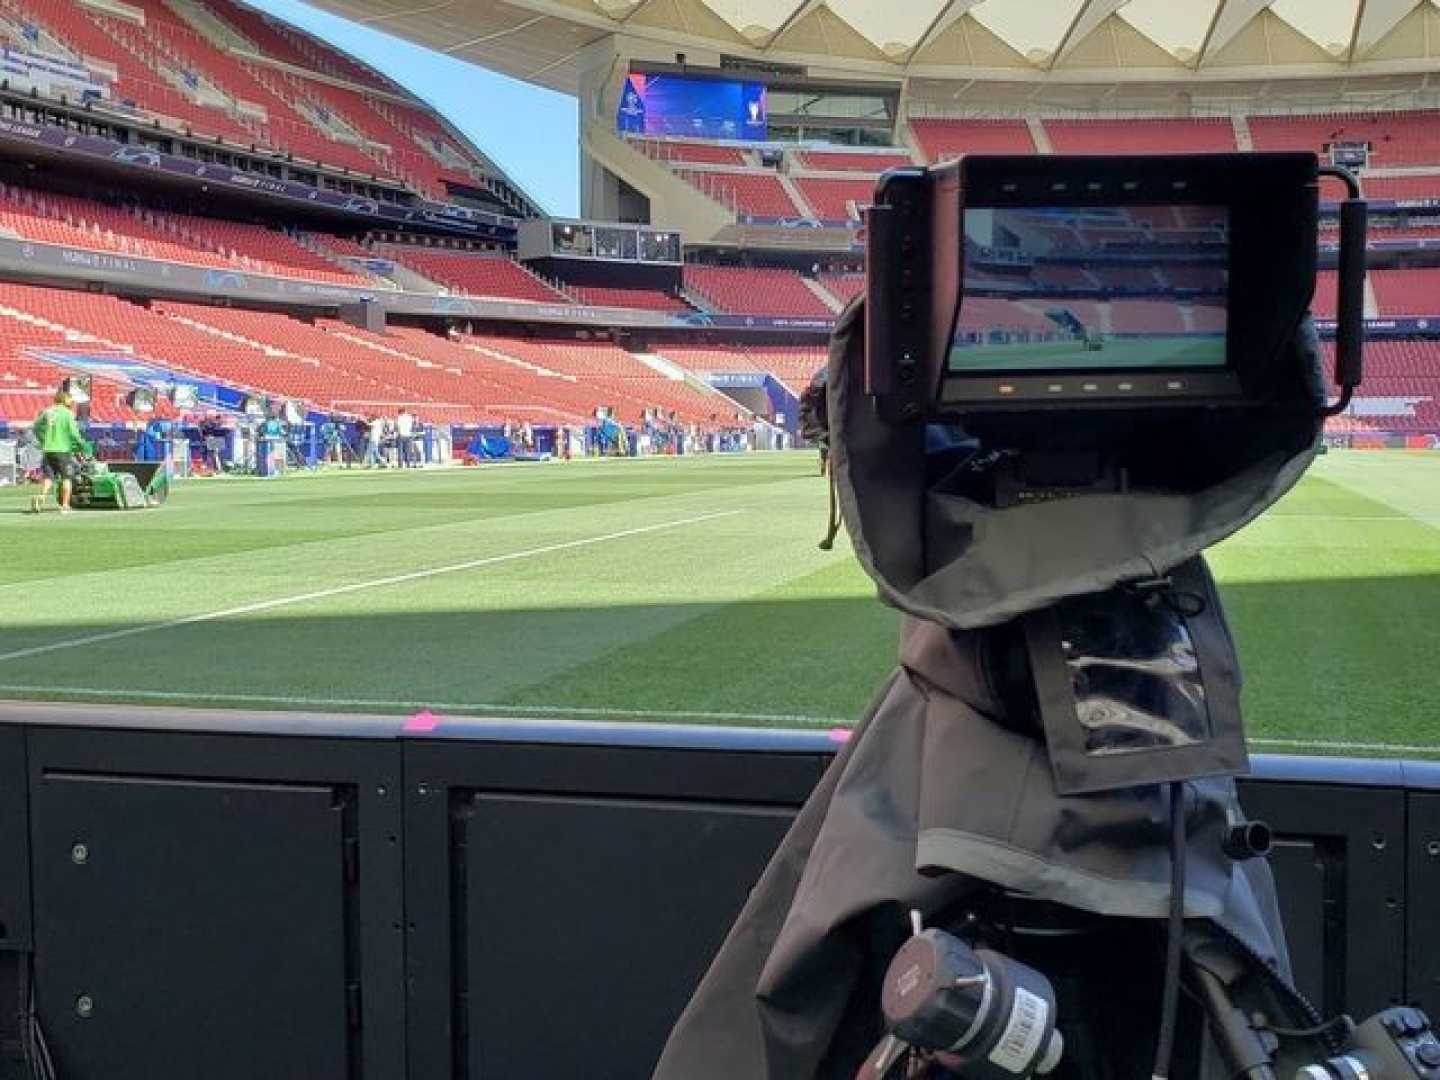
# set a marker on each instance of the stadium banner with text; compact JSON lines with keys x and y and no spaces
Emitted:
{"x":456,"y":219}
{"x":33,"y":259}
{"x":678,"y":105}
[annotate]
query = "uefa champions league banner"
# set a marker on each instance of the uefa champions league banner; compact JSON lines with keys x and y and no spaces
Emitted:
{"x":678,"y":105}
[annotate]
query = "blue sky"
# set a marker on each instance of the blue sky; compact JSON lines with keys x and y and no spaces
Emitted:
{"x":531,"y":133}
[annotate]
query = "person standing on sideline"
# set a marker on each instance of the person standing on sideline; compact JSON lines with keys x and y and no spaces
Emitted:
{"x":374,"y":432}
{"x":404,"y":437}
{"x":60,"y":440}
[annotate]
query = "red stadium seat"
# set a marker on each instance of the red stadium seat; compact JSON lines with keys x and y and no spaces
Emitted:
{"x":941,"y":140}
{"x":755,"y":291}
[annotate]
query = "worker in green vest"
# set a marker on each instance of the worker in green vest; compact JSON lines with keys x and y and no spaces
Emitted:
{"x":60,"y":440}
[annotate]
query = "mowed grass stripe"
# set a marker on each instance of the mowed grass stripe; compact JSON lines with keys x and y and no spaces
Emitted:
{"x":161,"y":590}
{"x":473,"y":637}
{"x":1332,"y":598}
{"x":224,"y":516}
{"x":1335,"y":619}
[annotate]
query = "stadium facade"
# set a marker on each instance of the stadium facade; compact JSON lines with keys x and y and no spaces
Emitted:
{"x":265,"y":215}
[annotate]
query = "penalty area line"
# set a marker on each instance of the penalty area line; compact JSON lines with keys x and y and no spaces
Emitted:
{"x":458,"y":708}
{"x":358,"y":586}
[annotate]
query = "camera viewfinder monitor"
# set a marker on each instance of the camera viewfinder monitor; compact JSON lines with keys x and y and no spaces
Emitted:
{"x":1047,"y":282}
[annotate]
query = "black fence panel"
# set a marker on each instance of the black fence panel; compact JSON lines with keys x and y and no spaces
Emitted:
{"x":241,"y":895}
{"x":14,"y":843}
{"x":1422,"y":947}
{"x":575,"y":895}
{"x":216,"y":905}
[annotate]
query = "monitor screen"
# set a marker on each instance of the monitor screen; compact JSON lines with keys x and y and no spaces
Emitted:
{"x":695,"y":108}
{"x":1055,"y":289}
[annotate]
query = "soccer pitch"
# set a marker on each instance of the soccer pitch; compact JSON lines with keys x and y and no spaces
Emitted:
{"x":1114,"y":353}
{"x":682,"y":589}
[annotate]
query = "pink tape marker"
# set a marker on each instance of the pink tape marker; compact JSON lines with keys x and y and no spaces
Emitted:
{"x":424,"y":720}
{"x":839,"y":734}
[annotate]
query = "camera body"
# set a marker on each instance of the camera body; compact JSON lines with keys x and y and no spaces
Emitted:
{"x":1008,"y":284}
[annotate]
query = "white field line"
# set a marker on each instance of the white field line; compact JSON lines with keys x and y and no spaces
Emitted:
{"x":562,"y":711}
{"x":1323,"y":744}
{"x":1341,"y":517}
{"x":358,"y":586}
{"x":459,"y":708}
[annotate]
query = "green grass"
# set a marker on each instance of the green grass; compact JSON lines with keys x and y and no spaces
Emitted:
{"x":541,"y":609}
{"x":1114,"y":353}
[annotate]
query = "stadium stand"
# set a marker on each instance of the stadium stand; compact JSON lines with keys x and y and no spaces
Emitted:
{"x":644,"y":299}
{"x":186,"y":75}
{"x":333,"y":366}
{"x":793,"y":365}
{"x":833,"y":199}
{"x":755,"y":291}
{"x":1425,"y":186}
{"x":166,"y":37}
{"x":1164,"y":135}
{"x":697,"y":153}
{"x":940,"y":140}
{"x":491,"y":275}
{"x":138,"y":79}
{"x":844,"y":287}
{"x":754,"y":194}
{"x":87,"y":223}
{"x":836,"y":161}
{"x":1406,"y":292}
{"x":1395,"y":138}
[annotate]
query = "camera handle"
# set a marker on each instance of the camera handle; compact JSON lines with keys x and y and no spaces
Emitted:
{"x":1350,"y":309}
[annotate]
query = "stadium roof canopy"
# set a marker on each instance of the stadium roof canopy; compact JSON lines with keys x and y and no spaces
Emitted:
{"x":1048,"y":41}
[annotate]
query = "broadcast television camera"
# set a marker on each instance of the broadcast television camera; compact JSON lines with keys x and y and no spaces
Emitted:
{"x":1069,"y":377}
{"x":1073,"y":326}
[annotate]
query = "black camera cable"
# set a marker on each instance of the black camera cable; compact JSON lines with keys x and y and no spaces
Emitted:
{"x":1175,"y":932}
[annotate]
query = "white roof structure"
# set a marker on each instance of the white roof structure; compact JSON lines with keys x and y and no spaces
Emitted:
{"x":975,"y":46}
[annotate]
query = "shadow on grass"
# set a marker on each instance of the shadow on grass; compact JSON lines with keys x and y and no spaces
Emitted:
{"x":1350,"y":660}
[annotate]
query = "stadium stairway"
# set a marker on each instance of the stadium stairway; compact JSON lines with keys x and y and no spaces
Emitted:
{"x":1243,"y":139}
{"x":825,"y":296}
{"x":807,"y":209}
{"x":1039,"y":135}
{"x":672,"y":200}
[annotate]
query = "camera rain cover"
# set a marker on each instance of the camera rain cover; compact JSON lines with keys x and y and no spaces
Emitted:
{"x":1137,"y":685}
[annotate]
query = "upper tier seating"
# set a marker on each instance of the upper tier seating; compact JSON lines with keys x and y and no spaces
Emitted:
{"x":941,"y":140}
{"x":645,"y":299}
{"x":753,"y":194}
{"x":831,"y":198}
{"x":1423,"y":186}
{"x":836,"y":160}
{"x":1162,"y":135}
{"x":496,"y":276}
{"x":137,"y":81}
{"x":1395,"y":138}
{"x":757,"y":291}
{"x":64,"y":219}
{"x":700,"y":153}
{"x":170,"y":38}
{"x":298,"y":109}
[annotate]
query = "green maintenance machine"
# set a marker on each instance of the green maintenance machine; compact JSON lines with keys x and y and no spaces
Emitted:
{"x":120,"y":485}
